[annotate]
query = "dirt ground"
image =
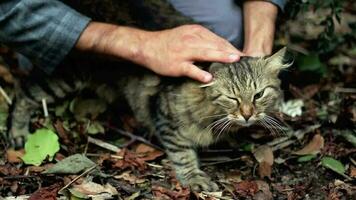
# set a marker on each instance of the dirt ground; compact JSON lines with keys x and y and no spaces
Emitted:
{"x":109,"y":157}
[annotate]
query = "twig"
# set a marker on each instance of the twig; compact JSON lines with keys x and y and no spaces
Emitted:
{"x":353,"y":161}
{"x":215,"y":196}
{"x":283,"y":145}
{"x":220,"y":162}
{"x":103,"y":144}
{"x":277,"y":141}
{"x":120,"y":157}
{"x":132,"y":136}
{"x":6,"y":97}
{"x":155,"y":165}
{"x":44,"y":106}
{"x":345,"y":90}
{"x":76,"y":178}
{"x":98,"y":155}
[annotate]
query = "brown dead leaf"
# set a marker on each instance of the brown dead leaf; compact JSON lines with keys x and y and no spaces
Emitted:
{"x":246,"y":188}
{"x":310,"y":90}
{"x":264,"y":153}
{"x":9,"y":170}
{"x":14,"y":156}
{"x":6,"y":75}
{"x":91,"y":188}
{"x":264,"y":192}
{"x":353,"y":171}
{"x":160,"y":192}
{"x":265,"y":170}
{"x":130,"y":161}
{"x":144,"y":148}
{"x":147,"y":153}
{"x":132,"y":179}
{"x":39,"y":169}
{"x":46,"y":193}
{"x":265,"y":158}
{"x":313,"y":147}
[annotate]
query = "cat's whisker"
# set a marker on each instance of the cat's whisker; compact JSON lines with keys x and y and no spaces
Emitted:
{"x":222,"y":125}
{"x":266,"y":125}
{"x":211,"y":116}
{"x":276,"y":123}
{"x":216,"y":123}
{"x":226,"y":124}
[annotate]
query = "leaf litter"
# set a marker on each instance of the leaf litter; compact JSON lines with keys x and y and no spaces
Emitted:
{"x":314,"y":158}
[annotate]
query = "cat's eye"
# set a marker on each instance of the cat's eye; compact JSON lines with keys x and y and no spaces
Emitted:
{"x":258,"y":95}
{"x":232,"y":98}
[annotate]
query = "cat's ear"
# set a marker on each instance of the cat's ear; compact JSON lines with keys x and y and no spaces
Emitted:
{"x":280,"y":60}
{"x":214,"y":67}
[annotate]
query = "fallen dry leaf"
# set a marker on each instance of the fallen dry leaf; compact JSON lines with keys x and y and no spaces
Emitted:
{"x":46,"y":193}
{"x":353,"y":172}
{"x":91,"y":188}
{"x":264,"y":153}
{"x":264,"y":192}
{"x":147,"y":153}
{"x":265,"y":170}
{"x":265,"y":158}
{"x":246,"y":188}
{"x":130,"y":160}
{"x":14,"y":156}
{"x":132,"y":179}
{"x":313,"y":147}
{"x":9,"y":170}
{"x":160,"y":192}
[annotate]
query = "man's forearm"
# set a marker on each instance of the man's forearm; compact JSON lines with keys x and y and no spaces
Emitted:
{"x":259,"y":27}
{"x":112,"y":40}
{"x":170,"y":52}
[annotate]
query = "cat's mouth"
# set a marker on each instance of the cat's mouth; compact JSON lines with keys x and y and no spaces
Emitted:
{"x":241,"y":121}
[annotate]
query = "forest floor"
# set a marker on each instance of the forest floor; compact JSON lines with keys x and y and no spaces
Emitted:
{"x":108,"y":157}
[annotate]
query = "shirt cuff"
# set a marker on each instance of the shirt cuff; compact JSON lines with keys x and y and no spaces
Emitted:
{"x":62,"y":40}
{"x":43,"y":31}
{"x":279,"y":3}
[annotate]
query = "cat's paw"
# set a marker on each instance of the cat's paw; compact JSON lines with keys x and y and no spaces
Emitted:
{"x":202,"y":182}
{"x":17,"y":137}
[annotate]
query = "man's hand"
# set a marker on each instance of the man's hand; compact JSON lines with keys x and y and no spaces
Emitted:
{"x":170,"y":52}
{"x":259,"y":27}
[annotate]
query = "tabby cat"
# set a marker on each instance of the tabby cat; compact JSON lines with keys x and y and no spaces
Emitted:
{"x":183,"y":113}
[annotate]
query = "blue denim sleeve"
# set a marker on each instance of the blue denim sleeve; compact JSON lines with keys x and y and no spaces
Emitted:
{"x":279,"y":3}
{"x":42,"y":30}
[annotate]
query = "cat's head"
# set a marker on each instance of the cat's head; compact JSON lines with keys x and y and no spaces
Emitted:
{"x":247,"y":91}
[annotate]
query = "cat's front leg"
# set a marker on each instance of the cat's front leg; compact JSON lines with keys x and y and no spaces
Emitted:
{"x":181,"y":152}
{"x":20,"y":120}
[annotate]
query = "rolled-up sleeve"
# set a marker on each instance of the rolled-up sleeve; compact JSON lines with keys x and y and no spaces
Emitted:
{"x":279,"y":3}
{"x":43,"y":30}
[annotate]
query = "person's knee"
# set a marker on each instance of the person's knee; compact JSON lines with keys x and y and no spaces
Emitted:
{"x":223,"y":17}
{"x":229,"y":26}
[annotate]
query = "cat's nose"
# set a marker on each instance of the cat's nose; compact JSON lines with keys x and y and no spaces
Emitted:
{"x":246,"y":111}
{"x":247,"y":116}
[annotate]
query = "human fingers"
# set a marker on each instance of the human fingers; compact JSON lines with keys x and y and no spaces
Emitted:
{"x":210,"y":55}
{"x":222,"y":43}
{"x":195,"y":73}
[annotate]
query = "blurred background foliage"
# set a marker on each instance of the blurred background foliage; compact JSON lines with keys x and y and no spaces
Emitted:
{"x":323,"y":33}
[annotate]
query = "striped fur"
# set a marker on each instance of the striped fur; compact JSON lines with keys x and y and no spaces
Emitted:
{"x":182,"y":113}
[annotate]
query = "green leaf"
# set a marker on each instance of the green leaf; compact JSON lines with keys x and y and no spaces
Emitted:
{"x":61,"y":109}
{"x":76,"y":195}
{"x":311,"y":63}
{"x":95,"y":128}
{"x":39,"y":146}
{"x":333,"y":164}
{"x":306,"y":158}
{"x":248,"y":147}
{"x":71,"y":165}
